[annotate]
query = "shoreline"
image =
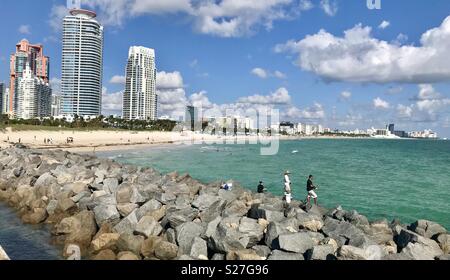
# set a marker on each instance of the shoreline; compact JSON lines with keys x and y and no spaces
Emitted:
{"x":110,"y":140}
{"x":123,"y":212}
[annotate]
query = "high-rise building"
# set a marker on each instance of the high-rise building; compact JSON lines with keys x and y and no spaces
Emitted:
{"x":82,"y":64}
{"x":56,"y":105}
{"x":191,"y":118}
{"x":34,"y":96}
{"x":2,"y":93}
{"x":140,"y":100}
{"x":26,"y":55}
{"x":5,"y":102}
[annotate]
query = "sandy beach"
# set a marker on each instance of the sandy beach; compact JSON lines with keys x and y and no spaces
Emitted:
{"x":109,"y":140}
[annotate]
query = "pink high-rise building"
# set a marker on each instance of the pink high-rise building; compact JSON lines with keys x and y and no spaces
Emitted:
{"x":26,"y":55}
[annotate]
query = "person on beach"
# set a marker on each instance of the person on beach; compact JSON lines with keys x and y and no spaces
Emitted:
{"x":287,"y":187}
{"x":310,"y":187}
{"x":261,"y":188}
{"x":227,"y":186}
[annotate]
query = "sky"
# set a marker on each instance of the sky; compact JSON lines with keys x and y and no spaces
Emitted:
{"x":331,"y":62}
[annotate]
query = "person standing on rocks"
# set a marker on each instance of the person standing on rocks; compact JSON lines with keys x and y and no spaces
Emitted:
{"x":310,"y":187}
{"x":287,"y":187}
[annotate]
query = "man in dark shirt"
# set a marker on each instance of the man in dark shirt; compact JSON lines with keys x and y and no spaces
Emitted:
{"x":261,"y":188}
{"x":310,"y":187}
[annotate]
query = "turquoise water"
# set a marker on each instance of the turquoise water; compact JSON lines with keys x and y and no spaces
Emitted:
{"x":25,"y":242}
{"x":390,"y":179}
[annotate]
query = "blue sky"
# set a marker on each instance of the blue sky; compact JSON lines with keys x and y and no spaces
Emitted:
{"x":231,"y":54}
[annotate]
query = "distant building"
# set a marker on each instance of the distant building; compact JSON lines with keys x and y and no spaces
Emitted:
{"x":56,"y":105}
{"x":34,"y":96}
{"x":191,"y":118}
{"x":26,"y":55}
{"x":2,"y":93}
{"x":391,"y":128}
{"x":82,"y":64}
{"x":5,"y":102}
{"x":426,"y":134}
{"x":140,"y":100}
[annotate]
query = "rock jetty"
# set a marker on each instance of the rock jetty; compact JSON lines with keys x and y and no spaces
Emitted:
{"x":113,"y":211}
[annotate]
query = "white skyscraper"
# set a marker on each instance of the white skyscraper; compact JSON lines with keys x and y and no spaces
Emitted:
{"x":34,"y":96}
{"x":82,"y":64}
{"x":140,"y":100}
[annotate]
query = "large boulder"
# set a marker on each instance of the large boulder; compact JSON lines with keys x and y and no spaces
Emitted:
{"x":106,"y":214}
{"x":252,"y":229}
{"x":346,"y":233}
{"x":352,"y":253}
{"x":37,"y":216}
{"x":127,"y":256}
{"x":227,"y":238}
{"x":126,"y":208}
{"x":444,"y":242}
{"x":295,"y":242}
{"x":321,"y":252}
{"x":427,"y":229}
{"x":148,"y":226}
{"x":105,"y":241}
{"x":105,"y":255}
{"x":309,"y":222}
{"x":274,"y":230}
{"x":166,"y":250}
{"x":130,"y":242}
{"x":148,"y":246}
{"x":78,"y":229}
{"x":199,"y":249}
{"x":149,"y":206}
{"x":204,"y":201}
{"x":127,"y":224}
{"x":186,"y":234}
{"x":285,"y":256}
{"x":407,"y":237}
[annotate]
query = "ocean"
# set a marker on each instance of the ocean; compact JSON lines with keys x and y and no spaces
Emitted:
{"x":25,"y":242}
{"x":404,"y":179}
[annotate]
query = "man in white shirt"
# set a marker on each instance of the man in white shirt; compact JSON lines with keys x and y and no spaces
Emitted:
{"x":287,"y":187}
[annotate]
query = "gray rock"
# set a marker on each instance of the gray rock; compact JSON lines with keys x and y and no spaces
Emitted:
{"x":309,"y":222}
{"x":273,"y":231}
{"x":165,"y":198}
{"x":321,"y":252}
{"x":126,"y":209}
{"x":295,"y":242}
{"x":204,"y":201}
{"x":236,"y":208}
{"x":284,"y":256}
{"x":417,"y":251}
{"x":148,"y":226}
{"x":52,"y":206}
{"x":106,"y":214}
{"x":186,"y":234}
{"x":427,"y":229}
{"x":227,"y":238}
{"x":252,"y":229}
{"x":148,"y":207}
{"x":130,"y":242}
{"x":79,"y":196}
{"x":262,"y":251}
{"x":127,"y":224}
{"x":111,"y":185}
{"x":166,"y":250}
{"x":443,"y":258}
{"x":346,"y":234}
{"x":214,"y":211}
{"x":171,"y":236}
{"x":199,"y":248}
{"x":218,"y":257}
{"x":45,"y":180}
{"x":352,"y":253}
{"x":407,"y":237}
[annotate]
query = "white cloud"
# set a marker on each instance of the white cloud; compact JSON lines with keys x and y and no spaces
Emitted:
{"x":316,"y":112}
{"x":279,"y":75}
{"x":279,"y":97}
{"x":169,"y":80}
{"x":200,"y":99}
{"x":57,"y":14}
{"x":330,"y":7}
{"x":306,"y":5}
{"x":25,"y":29}
{"x":384,"y":24}
{"x":117,"y":79}
{"x":112,"y":102}
{"x":379,"y":103}
{"x":222,"y":18}
{"x":431,"y":101}
{"x":358,"y":57}
{"x":346,"y":95}
{"x":55,"y":84}
{"x":261,"y":73}
{"x":404,"y":111}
